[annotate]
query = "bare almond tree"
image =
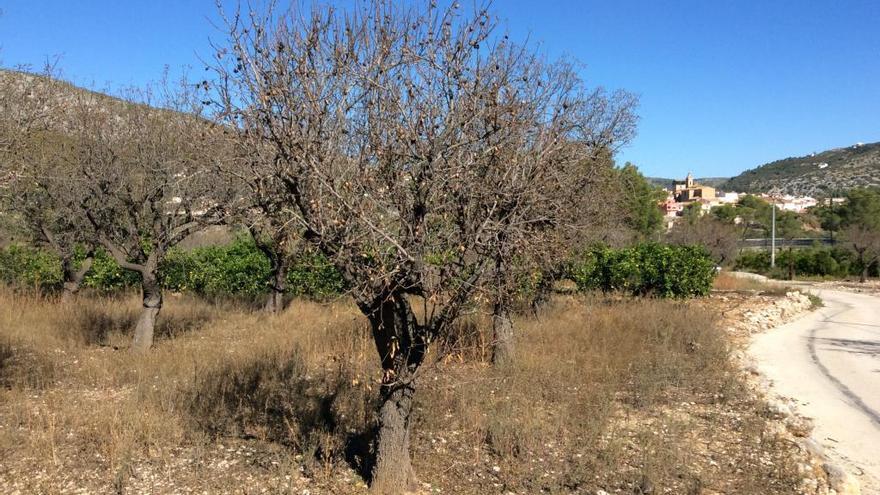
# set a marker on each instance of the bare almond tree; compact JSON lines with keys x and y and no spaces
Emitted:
{"x":141,"y":171}
{"x":720,"y":238}
{"x":33,"y":121}
{"x":262,"y":209}
{"x":865,"y":243}
{"x":23,"y":108}
{"x":416,"y":148}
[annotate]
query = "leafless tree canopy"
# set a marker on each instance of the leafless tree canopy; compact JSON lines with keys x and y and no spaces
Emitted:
{"x":122,"y":174}
{"x":719,"y":238}
{"x":865,"y":243}
{"x":416,"y":147}
{"x":32,"y":125}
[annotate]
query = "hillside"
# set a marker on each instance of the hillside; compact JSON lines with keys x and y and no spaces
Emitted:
{"x":817,"y":174}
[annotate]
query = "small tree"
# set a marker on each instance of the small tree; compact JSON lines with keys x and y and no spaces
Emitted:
{"x":403,"y":137}
{"x":692,"y":213}
{"x":260,"y":207}
{"x":142,"y":180}
{"x":788,"y":226}
{"x":640,"y":201}
{"x":33,"y":121}
{"x":726,"y":213}
{"x":860,"y":219}
{"x":755,"y":214}
{"x":865,"y":243}
{"x":718,"y":237}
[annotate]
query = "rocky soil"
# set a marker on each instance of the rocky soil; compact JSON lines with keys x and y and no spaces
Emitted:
{"x":717,"y":443}
{"x":869,"y":287}
{"x":762,"y":313}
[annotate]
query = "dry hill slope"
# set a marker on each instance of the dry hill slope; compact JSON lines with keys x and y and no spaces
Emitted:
{"x":817,"y":174}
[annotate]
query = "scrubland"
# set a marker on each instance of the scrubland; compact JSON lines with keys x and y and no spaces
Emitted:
{"x":615,"y":394}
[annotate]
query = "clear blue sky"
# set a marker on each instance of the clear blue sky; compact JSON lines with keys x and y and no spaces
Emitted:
{"x":725,"y":85}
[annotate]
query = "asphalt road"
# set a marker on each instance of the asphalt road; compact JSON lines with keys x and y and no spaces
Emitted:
{"x":829,"y":362}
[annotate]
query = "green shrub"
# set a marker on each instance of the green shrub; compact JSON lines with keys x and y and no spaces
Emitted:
{"x":753,"y":261}
{"x":237,"y":269}
{"x":241,"y":269}
{"x":313,"y":275}
{"x":648,"y":269}
{"x":23,"y":266}
{"x":106,"y":275}
{"x":815,"y":261}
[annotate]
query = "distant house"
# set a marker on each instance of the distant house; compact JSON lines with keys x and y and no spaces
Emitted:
{"x":670,"y":207}
{"x":727,"y":197}
{"x":687,"y":190}
{"x":788,"y":202}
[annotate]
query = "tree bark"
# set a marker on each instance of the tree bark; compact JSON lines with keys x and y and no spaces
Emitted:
{"x":393,"y":472}
{"x":73,"y":278}
{"x":502,"y":325}
{"x":402,"y":344}
{"x":502,"y":329}
{"x":152,"y":304}
{"x":863,"y":276}
{"x":277,"y":285}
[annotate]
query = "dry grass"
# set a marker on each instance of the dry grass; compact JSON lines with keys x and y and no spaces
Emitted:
{"x":731,"y":283}
{"x":227,"y":397}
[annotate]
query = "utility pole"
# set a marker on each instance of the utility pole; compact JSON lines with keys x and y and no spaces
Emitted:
{"x":773,"y":238}
{"x":831,"y":209}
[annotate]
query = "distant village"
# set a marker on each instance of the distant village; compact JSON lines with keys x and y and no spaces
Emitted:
{"x":687,"y":192}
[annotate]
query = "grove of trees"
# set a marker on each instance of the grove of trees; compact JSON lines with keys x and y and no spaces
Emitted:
{"x":428,"y":158}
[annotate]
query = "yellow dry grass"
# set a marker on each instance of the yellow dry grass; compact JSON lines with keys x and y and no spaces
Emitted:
{"x":590,"y":375}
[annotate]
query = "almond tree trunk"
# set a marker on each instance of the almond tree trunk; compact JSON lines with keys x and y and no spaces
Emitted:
{"x":73,"y":278}
{"x":152,"y":304}
{"x":393,"y":472}
{"x":502,"y":329}
{"x":402,"y":345}
{"x":277,"y":286}
{"x":863,"y":276}
{"x":502,"y":325}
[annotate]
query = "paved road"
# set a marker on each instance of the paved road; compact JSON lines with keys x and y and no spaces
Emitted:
{"x":829,"y":361}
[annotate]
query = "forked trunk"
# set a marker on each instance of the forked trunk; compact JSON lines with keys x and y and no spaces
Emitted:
{"x":277,"y":286}
{"x":73,"y":277}
{"x":402,"y":344}
{"x":502,"y":329}
{"x":152,"y":303}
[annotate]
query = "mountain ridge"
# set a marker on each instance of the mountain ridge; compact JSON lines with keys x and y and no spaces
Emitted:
{"x":822,"y":174}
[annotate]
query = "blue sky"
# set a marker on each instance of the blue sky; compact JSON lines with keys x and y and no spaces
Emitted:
{"x":725,"y":85}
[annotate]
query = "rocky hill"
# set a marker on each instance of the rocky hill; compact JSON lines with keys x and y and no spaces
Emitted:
{"x":818,"y":174}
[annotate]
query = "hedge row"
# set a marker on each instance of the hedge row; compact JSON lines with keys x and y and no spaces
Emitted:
{"x":239,"y":269}
{"x":648,"y":269}
{"x":815,"y":261}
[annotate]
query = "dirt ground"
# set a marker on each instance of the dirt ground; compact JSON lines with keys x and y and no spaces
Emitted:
{"x":608,"y":395}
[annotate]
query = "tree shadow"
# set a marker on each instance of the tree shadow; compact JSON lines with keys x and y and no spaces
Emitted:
{"x":325,"y":414}
{"x":93,"y":324}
